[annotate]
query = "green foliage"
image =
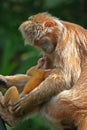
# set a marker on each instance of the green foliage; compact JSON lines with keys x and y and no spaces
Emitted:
{"x":33,"y":123}
{"x":17,"y":58}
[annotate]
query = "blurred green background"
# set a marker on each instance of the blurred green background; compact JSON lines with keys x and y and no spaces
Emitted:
{"x":17,"y":58}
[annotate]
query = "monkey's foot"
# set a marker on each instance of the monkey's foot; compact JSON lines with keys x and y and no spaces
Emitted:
{"x":9,"y":118}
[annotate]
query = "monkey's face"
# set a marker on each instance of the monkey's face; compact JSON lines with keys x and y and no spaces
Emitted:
{"x":40,"y":30}
{"x":31,"y":31}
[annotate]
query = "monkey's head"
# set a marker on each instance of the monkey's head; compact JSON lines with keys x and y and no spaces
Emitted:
{"x":42,"y":30}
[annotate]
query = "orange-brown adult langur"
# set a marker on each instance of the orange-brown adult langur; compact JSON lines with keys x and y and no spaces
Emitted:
{"x":62,"y":96}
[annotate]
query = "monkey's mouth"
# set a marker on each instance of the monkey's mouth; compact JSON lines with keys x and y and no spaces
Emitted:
{"x":46,"y":63}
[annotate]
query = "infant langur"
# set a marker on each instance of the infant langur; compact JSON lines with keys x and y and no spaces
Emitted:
{"x":37,"y":75}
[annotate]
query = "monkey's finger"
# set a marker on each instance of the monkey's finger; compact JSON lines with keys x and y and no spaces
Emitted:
{"x":19,"y":111}
{"x":18,"y":103}
{"x":18,"y":106}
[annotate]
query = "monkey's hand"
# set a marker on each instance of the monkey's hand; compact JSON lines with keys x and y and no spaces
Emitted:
{"x":22,"y":108}
{"x":10,"y":119}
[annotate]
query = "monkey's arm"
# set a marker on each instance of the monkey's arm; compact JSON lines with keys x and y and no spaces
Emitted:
{"x":17,"y":80}
{"x":47,"y":89}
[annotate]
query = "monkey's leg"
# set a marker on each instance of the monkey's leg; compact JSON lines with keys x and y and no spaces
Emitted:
{"x":10,"y":98}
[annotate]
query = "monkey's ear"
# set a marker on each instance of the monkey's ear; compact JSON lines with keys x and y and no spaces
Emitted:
{"x":50,"y":24}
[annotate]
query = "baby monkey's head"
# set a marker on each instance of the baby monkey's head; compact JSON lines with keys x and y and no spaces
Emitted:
{"x":41,"y":30}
